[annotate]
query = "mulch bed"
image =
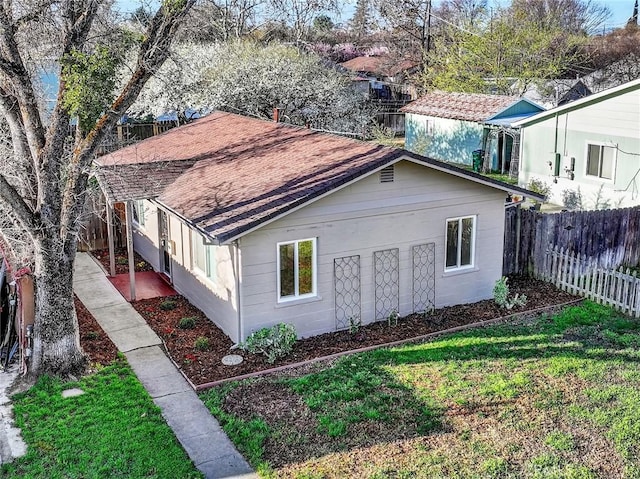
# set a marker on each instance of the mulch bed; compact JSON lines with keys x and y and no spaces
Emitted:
{"x":122,"y":260}
{"x":205,"y":366}
{"x":94,"y":341}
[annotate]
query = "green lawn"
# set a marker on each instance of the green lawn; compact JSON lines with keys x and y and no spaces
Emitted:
{"x":112,"y":431}
{"x":550,"y":398}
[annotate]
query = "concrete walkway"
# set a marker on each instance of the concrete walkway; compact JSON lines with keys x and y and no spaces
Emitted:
{"x":11,"y":443}
{"x":197,"y":430}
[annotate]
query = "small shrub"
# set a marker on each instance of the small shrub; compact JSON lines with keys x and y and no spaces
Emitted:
{"x":187,"y":323}
{"x":201,"y":343}
{"x":539,"y":186}
{"x":122,"y":261}
{"x":572,"y":199}
{"x":92,"y":335}
{"x":502,"y":297}
{"x":168,"y":305}
{"x":274,"y":342}
{"x":354,"y":325}
{"x":392,"y":319}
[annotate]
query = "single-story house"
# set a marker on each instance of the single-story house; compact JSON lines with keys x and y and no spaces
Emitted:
{"x":451,"y":126}
{"x":259,"y":222}
{"x":590,"y":146}
{"x":386,"y":76}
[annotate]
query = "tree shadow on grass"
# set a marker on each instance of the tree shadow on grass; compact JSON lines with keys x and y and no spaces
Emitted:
{"x":360,"y":401}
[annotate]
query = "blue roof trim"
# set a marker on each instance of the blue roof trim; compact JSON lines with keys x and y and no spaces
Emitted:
{"x":521,"y":107}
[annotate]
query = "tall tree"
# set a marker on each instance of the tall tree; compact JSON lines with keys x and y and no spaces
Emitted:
{"x":298,"y":15}
{"x":513,"y":44}
{"x":361,"y":22}
{"x":221,"y":20}
{"x":247,"y":78}
{"x":43,"y":180}
{"x":410,"y":22}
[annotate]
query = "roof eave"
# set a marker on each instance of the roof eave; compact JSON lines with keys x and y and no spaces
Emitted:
{"x":582,"y":102}
{"x":236,"y":233}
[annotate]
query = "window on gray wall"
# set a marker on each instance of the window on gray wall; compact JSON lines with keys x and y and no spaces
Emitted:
{"x":138,"y":212}
{"x":460,"y":243}
{"x":297,"y":269}
{"x":203,"y":256}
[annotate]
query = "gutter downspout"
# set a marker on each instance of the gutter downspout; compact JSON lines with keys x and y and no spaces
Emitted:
{"x":237,"y":265}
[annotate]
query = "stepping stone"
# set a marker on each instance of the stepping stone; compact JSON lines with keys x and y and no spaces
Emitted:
{"x":232,"y":360}
{"x":69,"y":393}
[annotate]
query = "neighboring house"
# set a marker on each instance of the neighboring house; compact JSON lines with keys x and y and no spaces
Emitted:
{"x":552,"y":93}
{"x":387,"y":77}
{"x":451,"y":126}
{"x":384,"y":81}
{"x":591,"y":144}
{"x":261,"y":222}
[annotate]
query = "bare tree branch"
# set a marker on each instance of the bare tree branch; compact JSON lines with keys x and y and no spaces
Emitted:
{"x":153,"y":52}
{"x":10,"y":197}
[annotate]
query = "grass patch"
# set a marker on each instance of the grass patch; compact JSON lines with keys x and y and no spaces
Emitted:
{"x":520,"y":400}
{"x":113,"y":430}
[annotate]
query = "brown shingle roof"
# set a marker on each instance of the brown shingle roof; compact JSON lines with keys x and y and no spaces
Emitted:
{"x":243,"y":171}
{"x":460,"y":106}
{"x":227,"y":173}
{"x":378,"y":65}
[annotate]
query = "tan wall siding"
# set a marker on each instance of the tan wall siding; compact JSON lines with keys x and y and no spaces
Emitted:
{"x":218,"y":300}
{"x":369,"y":216}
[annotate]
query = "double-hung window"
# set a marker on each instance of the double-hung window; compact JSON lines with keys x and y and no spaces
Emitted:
{"x":600,"y":161}
{"x":203,"y":256}
{"x":460,"y":243}
{"x":138,"y":212}
{"x":297,"y":269}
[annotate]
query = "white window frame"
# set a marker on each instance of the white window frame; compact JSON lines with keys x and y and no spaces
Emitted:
{"x":138,"y":206}
{"x":314,"y":272}
{"x":472,"y":264}
{"x":209,"y":271}
{"x":614,"y":161}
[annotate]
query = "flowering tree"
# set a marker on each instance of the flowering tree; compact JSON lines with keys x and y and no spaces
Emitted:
{"x":45,"y":169}
{"x":247,"y":78}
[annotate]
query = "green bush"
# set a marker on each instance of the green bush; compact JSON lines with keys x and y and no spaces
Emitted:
{"x":201,"y":343}
{"x":187,"y":323}
{"x":502,"y":297}
{"x":539,"y":186}
{"x":168,"y":305}
{"x":274,"y":342}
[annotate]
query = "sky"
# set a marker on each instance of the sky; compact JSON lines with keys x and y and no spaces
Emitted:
{"x":621,"y":10}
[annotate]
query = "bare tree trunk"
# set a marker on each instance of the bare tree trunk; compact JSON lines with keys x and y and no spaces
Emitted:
{"x":56,"y":341}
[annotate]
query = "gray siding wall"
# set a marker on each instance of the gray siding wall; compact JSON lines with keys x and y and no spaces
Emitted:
{"x":369,"y":216}
{"x":218,"y":299}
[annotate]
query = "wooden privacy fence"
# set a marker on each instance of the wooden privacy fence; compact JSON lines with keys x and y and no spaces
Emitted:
{"x":609,"y":238}
{"x":577,"y":275}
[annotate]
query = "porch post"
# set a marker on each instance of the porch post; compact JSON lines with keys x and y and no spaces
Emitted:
{"x":504,"y":150}
{"x":132,"y":266}
{"x":112,"y":253}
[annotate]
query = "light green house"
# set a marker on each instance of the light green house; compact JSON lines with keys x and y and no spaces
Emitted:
{"x":451,"y":126}
{"x":587,"y":151}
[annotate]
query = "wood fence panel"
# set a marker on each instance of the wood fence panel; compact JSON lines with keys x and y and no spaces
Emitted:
{"x":610,"y":238}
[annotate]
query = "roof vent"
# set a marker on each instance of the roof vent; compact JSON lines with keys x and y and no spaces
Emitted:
{"x":386,"y":174}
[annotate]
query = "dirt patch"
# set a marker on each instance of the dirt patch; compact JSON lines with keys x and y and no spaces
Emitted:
{"x":94,"y":341}
{"x":122,"y":260}
{"x":203,"y":366}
